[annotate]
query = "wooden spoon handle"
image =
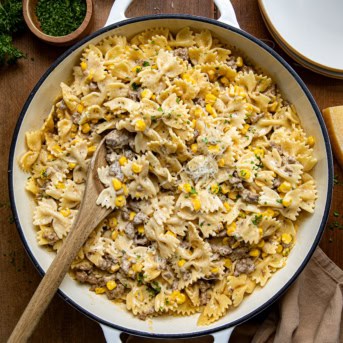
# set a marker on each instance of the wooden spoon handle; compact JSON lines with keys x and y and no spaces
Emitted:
{"x":85,"y":222}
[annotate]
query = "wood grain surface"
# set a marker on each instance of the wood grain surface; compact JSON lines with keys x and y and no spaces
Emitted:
{"x":18,"y":277}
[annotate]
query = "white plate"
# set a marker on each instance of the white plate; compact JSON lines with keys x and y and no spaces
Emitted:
{"x":311,"y":29}
{"x":298,"y":59}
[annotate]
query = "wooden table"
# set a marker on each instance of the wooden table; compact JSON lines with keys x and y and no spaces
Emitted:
{"x":18,"y":277}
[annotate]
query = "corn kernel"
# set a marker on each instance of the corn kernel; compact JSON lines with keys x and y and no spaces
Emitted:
{"x":186,"y":77}
{"x":215,"y":188}
{"x":71,"y":165}
{"x":114,"y":234}
{"x":146,"y":94}
{"x":57,"y":148}
{"x":196,"y":204}
{"x":193,"y":123}
{"x":140,"y":229}
{"x":198,"y":112}
{"x":249,"y":107}
{"x":268,"y":213}
{"x":187,"y":187}
{"x":285,"y":252}
{"x":137,"y":267}
{"x":286,"y":238}
{"x":239,"y":62}
{"x":221,"y":162}
{"x":111,"y":285}
{"x":122,"y":160}
{"x":181,"y":263}
{"x":245,"y":174}
{"x":117,"y":184}
{"x":108,"y":117}
{"x":153,"y":97}
{"x":254,"y":252}
{"x":113,"y":222}
{"x":179,"y":297}
{"x":225,"y":188}
{"x":279,"y":248}
{"x":85,"y":128}
{"x":120,"y":201}
{"x":140,"y":125}
{"x":264,"y":254}
{"x":65,"y":212}
{"x":136,"y":168}
{"x":91,"y":149}
{"x":60,"y":185}
{"x":215,"y":270}
{"x":245,"y":129}
{"x":210,"y":99}
{"x":168,"y":48}
{"x":227,"y":206}
{"x":311,"y":141}
{"x":83,"y":65}
{"x":136,"y":69}
{"x":286,"y":203}
{"x":213,"y":148}
{"x":227,"y":263}
{"x":233,"y":195}
{"x":154,"y":66}
{"x":209,"y":108}
{"x":230,"y":229}
{"x":259,"y":152}
{"x":261,"y":243}
{"x":79,"y":108}
{"x":171,"y":233}
{"x":132,"y":215}
{"x":100,"y":290}
{"x":260,"y":231}
{"x":285,"y":187}
{"x":194,"y":147}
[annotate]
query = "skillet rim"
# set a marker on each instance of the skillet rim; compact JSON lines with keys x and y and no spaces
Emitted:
{"x":315,"y":108}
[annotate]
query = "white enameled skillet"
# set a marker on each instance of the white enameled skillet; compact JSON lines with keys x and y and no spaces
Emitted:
{"x":113,"y":318}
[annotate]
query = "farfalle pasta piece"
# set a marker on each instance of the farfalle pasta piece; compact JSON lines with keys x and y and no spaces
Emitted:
{"x":217,"y":306}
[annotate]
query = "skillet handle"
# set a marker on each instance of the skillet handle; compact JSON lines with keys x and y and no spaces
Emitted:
{"x":225,"y":7}
{"x":113,"y":335}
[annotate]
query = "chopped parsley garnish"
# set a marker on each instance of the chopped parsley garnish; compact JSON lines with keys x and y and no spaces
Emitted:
{"x":134,"y":86}
{"x":205,"y":140}
{"x":140,"y":278}
{"x":193,"y":191}
{"x":160,"y":109}
{"x":178,"y":100}
{"x":279,"y":201}
{"x":146,"y":64}
{"x":336,"y":213}
{"x":154,"y":288}
{"x":257,"y":219}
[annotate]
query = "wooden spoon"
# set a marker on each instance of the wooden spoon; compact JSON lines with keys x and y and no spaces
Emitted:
{"x":88,"y":217}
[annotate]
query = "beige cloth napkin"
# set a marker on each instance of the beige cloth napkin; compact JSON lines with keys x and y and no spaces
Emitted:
{"x":309,"y":312}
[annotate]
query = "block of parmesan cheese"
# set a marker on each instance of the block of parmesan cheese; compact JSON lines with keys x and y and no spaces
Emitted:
{"x":333,"y":117}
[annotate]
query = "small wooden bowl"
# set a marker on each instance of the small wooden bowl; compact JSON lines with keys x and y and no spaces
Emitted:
{"x":29,"y":11}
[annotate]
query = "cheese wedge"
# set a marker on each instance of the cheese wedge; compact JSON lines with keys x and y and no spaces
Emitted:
{"x":333,"y":117}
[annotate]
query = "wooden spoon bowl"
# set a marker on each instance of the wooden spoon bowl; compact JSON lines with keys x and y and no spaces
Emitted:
{"x":29,"y":12}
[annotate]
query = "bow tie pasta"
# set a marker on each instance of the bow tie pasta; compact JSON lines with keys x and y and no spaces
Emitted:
{"x":208,"y":171}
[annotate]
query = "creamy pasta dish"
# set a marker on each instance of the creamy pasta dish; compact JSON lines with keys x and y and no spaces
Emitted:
{"x":207,"y":173}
